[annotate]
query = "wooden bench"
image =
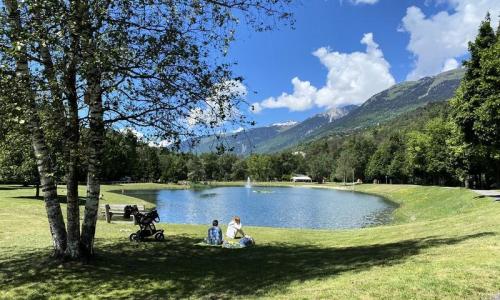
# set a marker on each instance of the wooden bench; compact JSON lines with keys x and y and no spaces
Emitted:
{"x":109,"y":210}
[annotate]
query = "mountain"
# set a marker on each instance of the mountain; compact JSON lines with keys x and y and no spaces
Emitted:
{"x":302,"y":131}
{"x":398,"y":99}
{"x":270,"y":138}
{"x":242,"y":142}
{"x":380,"y":108}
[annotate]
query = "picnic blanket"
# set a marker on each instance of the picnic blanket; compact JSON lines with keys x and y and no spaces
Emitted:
{"x":226,"y":244}
{"x":232,"y":245}
{"x":205,"y":244}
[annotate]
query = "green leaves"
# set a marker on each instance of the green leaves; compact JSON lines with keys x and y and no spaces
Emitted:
{"x":476,"y":107}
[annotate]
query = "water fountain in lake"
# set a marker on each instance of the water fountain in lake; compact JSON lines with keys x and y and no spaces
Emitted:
{"x":249,"y":183}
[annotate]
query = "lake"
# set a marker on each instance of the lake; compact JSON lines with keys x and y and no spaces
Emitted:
{"x":292,"y":207}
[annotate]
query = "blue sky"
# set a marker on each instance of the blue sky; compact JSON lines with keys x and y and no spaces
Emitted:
{"x":402,"y":39}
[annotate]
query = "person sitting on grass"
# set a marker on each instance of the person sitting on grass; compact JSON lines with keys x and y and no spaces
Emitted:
{"x":214,"y":234}
{"x":234,"y":227}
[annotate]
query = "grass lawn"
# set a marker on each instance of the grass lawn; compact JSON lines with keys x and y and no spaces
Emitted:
{"x":444,"y":244}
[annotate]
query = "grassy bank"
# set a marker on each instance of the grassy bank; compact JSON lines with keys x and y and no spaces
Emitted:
{"x":444,"y":243}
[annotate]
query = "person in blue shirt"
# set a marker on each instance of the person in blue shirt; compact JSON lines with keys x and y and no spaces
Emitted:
{"x":214,"y":234}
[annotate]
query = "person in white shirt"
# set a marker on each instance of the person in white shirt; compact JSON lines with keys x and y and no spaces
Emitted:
{"x":234,"y":227}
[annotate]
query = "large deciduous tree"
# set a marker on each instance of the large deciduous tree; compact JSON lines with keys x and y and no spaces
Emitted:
{"x":387,"y":160}
{"x":428,"y":155}
{"x":320,"y":167}
{"x":154,"y":64}
{"x":345,"y":165}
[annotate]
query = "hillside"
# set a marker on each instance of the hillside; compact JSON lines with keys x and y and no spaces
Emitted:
{"x":302,"y":131}
{"x":414,"y":120}
{"x":400,"y":98}
{"x":242,"y":143}
{"x":380,"y":108}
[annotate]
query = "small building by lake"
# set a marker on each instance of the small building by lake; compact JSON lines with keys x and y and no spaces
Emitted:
{"x":301,"y":178}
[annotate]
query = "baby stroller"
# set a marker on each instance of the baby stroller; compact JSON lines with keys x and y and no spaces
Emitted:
{"x":147,"y":227}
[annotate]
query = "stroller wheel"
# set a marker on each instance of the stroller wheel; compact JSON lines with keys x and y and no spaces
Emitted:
{"x":159,"y":236}
{"x":133,"y":237}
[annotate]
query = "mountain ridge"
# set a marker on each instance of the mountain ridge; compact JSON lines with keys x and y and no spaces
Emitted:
{"x":381,"y":107}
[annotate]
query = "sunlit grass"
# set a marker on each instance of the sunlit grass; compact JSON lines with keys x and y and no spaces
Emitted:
{"x":443,"y":244}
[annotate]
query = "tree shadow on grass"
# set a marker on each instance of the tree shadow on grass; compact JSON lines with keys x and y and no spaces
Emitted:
{"x":6,"y":188}
{"x":177,"y":268}
{"x":60,"y":199}
{"x":15,"y":187}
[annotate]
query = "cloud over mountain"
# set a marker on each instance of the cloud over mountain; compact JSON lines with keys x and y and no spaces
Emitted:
{"x":301,"y":99}
{"x":218,"y":104}
{"x":352,"y":78}
{"x":438,"y":41}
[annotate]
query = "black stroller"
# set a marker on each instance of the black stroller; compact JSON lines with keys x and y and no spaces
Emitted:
{"x":147,"y":227}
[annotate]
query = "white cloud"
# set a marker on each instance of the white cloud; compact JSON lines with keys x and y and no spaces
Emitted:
{"x":139,"y":135}
{"x":160,"y":144}
{"x":256,"y":108}
{"x":352,"y":78}
{"x":437,"y":41}
{"x":233,"y":88}
{"x":237,"y":130}
{"x":301,"y":99}
{"x":356,"y":2}
{"x":229,"y":89}
{"x":450,"y":64}
{"x":209,"y":113}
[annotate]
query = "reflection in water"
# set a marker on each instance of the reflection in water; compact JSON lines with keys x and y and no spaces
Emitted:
{"x":263,"y":191}
{"x":275,"y":207}
{"x":208,"y":195}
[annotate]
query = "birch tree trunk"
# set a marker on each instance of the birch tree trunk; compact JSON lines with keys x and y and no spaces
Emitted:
{"x":49,"y":189}
{"x":44,"y":164}
{"x":66,"y":121}
{"x":93,"y":97}
{"x":94,"y":166}
{"x":73,"y":136}
{"x":73,"y":210}
{"x":69,"y":126}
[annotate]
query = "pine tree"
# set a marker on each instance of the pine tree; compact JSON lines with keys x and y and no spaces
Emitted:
{"x":475,"y":107}
{"x":467,"y":99}
{"x":498,"y":28}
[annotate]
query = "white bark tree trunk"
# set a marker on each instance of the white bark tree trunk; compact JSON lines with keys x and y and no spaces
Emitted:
{"x":42,"y":154}
{"x":93,"y":98}
{"x":94,"y":167}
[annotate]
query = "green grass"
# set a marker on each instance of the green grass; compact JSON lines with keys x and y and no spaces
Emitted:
{"x":444,"y":244}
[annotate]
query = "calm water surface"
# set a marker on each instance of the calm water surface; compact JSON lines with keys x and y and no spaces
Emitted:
{"x":295,"y":207}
